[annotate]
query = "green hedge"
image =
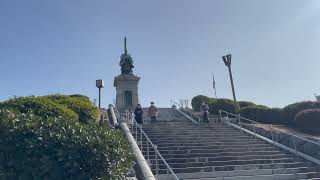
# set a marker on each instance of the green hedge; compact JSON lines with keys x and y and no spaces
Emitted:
{"x":80,"y":104}
{"x":221,"y":104}
{"x":74,"y":107}
{"x":260,"y":113}
{"x":216,"y":104}
{"x":197,"y":101}
{"x":308,"y":121}
{"x":80,"y":96}
{"x":40,"y":106}
{"x":292,"y":109}
{"x":243,"y":104}
{"x":264,"y":114}
{"x":33,"y":147}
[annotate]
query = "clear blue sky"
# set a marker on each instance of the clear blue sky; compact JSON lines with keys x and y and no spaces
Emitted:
{"x":63,"y":46}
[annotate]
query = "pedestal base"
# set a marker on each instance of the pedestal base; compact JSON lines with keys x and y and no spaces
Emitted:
{"x":127,"y":91}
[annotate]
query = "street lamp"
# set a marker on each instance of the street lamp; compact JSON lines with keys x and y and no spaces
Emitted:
{"x":227,"y":61}
{"x":99,"y":84}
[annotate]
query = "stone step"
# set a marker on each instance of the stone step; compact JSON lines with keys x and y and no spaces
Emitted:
{"x":185,"y":123}
{"x":197,"y":176}
{"x":213,"y":157}
{"x":215,"y":151}
{"x":217,"y":154}
{"x":201,"y":140}
{"x":217,"y":144}
{"x":199,"y":165}
{"x":172,"y":127}
{"x":233,"y":162}
{"x":198,"y":135}
{"x":252,"y":172}
{"x":192,"y":133}
{"x":177,"y":135}
{"x":205,"y":158}
{"x":226,"y":149}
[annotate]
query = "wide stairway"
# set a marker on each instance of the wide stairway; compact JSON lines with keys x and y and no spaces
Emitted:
{"x":216,"y":151}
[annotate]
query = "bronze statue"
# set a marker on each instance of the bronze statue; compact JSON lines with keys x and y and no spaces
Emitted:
{"x":126,"y":61}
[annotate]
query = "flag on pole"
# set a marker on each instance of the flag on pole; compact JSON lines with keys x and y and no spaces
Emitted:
{"x":214,"y":85}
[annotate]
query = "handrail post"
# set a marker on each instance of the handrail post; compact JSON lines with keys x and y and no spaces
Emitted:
{"x":254,"y":130}
{"x":132,"y":126}
{"x":294,"y":145}
{"x":271,"y":133}
{"x":136,"y":132}
{"x":141,"y":142}
{"x":156,"y":159}
{"x":148,"y":155}
{"x":240,"y":121}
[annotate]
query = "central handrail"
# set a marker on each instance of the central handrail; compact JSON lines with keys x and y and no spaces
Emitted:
{"x":130,"y":119}
{"x":187,"y":112}
{"x":294,"y":138}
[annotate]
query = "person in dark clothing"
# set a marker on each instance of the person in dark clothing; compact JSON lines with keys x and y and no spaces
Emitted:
{"x":138,"y":112}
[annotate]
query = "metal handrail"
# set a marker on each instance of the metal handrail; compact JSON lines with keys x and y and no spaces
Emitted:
{"x":175,"y":103}
{"x":187,"y":112}
{"x":271,"y":129}
{"x":142,"y":165}
{"x":130,"y":119}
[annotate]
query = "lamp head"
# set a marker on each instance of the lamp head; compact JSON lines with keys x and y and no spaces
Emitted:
{"x":224,"y":58}
{"x":229,"y":57}
{"x":99,"y":83}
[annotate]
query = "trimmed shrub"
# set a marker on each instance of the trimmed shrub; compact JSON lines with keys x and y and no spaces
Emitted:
{"x":80,"y":104}
{"x":40,"y":106}
{"x":308,"y":121}
{"x":197,"y":101}
{"x":292,"y":109}
{"x":33,"y":147}
{"x":221,"y":104}
{"x":263,"y":114}
{"x":216,"y":104}
{"x":243,"y":104}
{"x":80,"y":96}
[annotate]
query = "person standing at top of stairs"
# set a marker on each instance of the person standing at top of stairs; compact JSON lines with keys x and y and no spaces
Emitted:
{"x":138,"y":112}
{"x":153,"y":112}
{"x":204,"y":108}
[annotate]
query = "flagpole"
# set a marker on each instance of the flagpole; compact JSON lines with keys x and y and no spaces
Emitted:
{"x":214,"y":86}
{"x":215,"y":93}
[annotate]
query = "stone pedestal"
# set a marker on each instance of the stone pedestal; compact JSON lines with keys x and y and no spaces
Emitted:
{"x":127,"y":91}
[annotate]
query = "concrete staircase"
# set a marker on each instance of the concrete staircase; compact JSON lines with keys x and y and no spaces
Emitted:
{"x":215,"y":151}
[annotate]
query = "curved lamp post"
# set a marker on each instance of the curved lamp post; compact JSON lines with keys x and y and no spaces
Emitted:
{"x":227,"y":61}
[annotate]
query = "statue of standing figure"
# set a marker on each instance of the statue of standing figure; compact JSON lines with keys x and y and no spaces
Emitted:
{"x":126,"y":62}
